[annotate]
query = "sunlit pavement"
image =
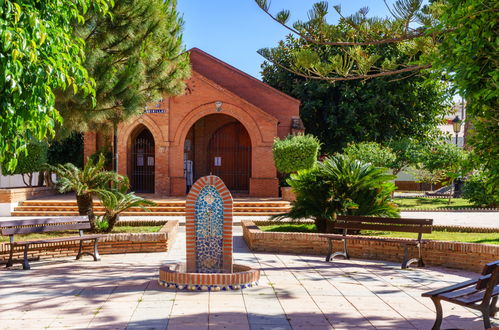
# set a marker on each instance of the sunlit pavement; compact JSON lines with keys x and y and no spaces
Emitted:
{"x":295,"y":292}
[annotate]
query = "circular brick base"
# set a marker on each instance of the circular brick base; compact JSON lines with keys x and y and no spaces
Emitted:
{"x":173,"y":276}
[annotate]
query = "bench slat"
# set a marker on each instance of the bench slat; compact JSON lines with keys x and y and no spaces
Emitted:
{"x":356,"y":218}
{"x":41,"y":221}
{"x":450,"y":288}
{"x":371,"y":238}
{"x":60,"y":239}
{"x":478,"y":296}
{"x":43,"y":229}
{"x":382,"y":227}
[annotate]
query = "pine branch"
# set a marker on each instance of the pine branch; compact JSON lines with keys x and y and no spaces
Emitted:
{"x":356,"y":77}
{"x":405,"y":37}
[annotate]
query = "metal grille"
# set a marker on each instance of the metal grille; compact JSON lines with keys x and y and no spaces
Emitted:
{"x":143,"y":163}
{"x":230,"y":156}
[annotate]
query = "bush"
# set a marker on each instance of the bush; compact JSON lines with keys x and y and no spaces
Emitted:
{"x":29,"y":162}
{"x":295,"y":152}
{"x":475,"y":190}
{"x":341,"y":186}
{"x":371,"y":152}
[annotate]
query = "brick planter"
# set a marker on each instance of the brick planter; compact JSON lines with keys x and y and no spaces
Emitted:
{"x":110,"y":244}
{"x":466,"y":256}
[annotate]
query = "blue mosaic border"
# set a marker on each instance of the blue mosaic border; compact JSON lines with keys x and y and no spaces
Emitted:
{"x":197,"y":287}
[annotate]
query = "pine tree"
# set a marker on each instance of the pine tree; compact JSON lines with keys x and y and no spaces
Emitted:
{"x":135,"y":56}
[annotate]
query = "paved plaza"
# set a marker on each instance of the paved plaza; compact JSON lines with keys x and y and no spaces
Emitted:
{"x":295,"y":292}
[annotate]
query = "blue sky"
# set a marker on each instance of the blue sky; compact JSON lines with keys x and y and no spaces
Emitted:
{"x":233,"y":30}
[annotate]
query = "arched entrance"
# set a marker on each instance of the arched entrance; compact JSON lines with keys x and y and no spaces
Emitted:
{"x":220,"y":145}
{"x":142,"y":161}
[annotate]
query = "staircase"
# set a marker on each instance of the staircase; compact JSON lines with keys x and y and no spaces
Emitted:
{"x":163,"y":208}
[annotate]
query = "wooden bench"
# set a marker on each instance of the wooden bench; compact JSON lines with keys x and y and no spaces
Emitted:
{"x":347,"y":223}
{"x":479,"y":294}
{"x":15,"y":227}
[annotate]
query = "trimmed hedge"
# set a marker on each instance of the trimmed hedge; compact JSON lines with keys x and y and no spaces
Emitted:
{"x":295,"y":152}
{"x":31,"y":161}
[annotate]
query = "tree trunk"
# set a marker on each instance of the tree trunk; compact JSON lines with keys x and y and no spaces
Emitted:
{"x":24,"y":180}
{"x":41,"y":177}
{"x":112,"y":222}
{"x":115,"y":147}
{"x":324,"y":225}
{"x":86,"y":207}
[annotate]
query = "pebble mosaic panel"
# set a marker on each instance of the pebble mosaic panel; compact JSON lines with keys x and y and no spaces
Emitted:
{"x":209,"y":214}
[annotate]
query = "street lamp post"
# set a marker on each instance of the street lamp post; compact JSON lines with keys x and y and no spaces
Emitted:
{"x":456,"y":125}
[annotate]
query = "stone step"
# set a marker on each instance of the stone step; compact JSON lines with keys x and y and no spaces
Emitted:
{"x":127,"y":213}
{"x":159,"y":204}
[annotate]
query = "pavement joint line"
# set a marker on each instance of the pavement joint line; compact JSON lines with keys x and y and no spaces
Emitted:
{"x":308,"y":292}
{"x":332,"y":284}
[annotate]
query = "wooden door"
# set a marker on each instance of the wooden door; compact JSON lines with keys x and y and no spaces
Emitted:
{"x":229,"y":156}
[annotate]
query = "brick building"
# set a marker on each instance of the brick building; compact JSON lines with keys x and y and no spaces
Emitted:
{"x":223,"y":125}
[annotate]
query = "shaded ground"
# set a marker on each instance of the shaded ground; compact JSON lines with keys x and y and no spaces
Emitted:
{"x":295,"y":292}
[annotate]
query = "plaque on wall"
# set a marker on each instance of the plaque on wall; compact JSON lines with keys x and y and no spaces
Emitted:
{"x":140,"y":160}
{"x":150,"y":161}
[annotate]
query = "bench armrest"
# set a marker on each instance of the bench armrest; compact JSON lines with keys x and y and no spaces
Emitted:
{"x":450,"y":288}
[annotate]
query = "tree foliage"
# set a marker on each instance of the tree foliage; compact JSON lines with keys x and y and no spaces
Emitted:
{"x":372,"y":153}
{"x":84,"y":182}
{"x":409,"y":27}
{"x":295,"y":152}
{"x":116,"y":201}
{"x":475,"y":190}
{"x":68,"y":150}
{"x":455,"y":39}
{"x":468,"y":52}
{"x":379,"y":110}
{"x":39,"y":54}
{"x":135,"y":56}
{"x":339,"y":186}
{"x":29,"y":161}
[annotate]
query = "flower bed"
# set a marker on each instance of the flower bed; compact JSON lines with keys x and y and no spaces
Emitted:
{"x":466,"y":256}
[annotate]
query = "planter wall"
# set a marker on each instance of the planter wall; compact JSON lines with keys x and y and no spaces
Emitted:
{"x":110,"y":244}
{"x":288,"y":194}
{"x":466,"y":256}
{"x":10,"y":197}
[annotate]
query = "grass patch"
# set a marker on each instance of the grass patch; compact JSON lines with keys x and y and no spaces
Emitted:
{"x":485,"y":238}
{"x":291,"y":228}
{"x":432,"y":203}
{"x":116,"y":230}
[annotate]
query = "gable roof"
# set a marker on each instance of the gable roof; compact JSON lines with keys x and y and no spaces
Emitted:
{"x":245,"y":86}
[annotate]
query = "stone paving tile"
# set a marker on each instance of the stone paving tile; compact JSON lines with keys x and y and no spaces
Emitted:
{"x":295,"y":292}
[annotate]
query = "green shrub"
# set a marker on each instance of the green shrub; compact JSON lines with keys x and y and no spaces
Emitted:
{"x":476,"y":191}
{"x":341,"y":186}
{"x":371,"y":152}
{"x":295,"y":152}
{"x":29,"y":162}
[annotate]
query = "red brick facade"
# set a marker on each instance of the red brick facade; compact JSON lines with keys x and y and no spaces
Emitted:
{"x":215,"y":88}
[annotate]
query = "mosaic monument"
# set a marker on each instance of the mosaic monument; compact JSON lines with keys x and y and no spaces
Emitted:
{"x":208,"y":228}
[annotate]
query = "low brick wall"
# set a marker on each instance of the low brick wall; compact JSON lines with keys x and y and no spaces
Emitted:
{"x":10,"y":195}
{"x":110,"y":244}
{"x":466,"y":256}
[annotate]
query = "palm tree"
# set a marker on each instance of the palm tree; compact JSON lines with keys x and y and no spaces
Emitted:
{"x":340,"y":186}
{"x":84,"y":182}
{"x":116,"y":201}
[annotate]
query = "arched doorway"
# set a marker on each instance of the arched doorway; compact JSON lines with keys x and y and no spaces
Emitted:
{"x":143,"y":162}
{"x":230,"y":156}
{"x":219,"y":144}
